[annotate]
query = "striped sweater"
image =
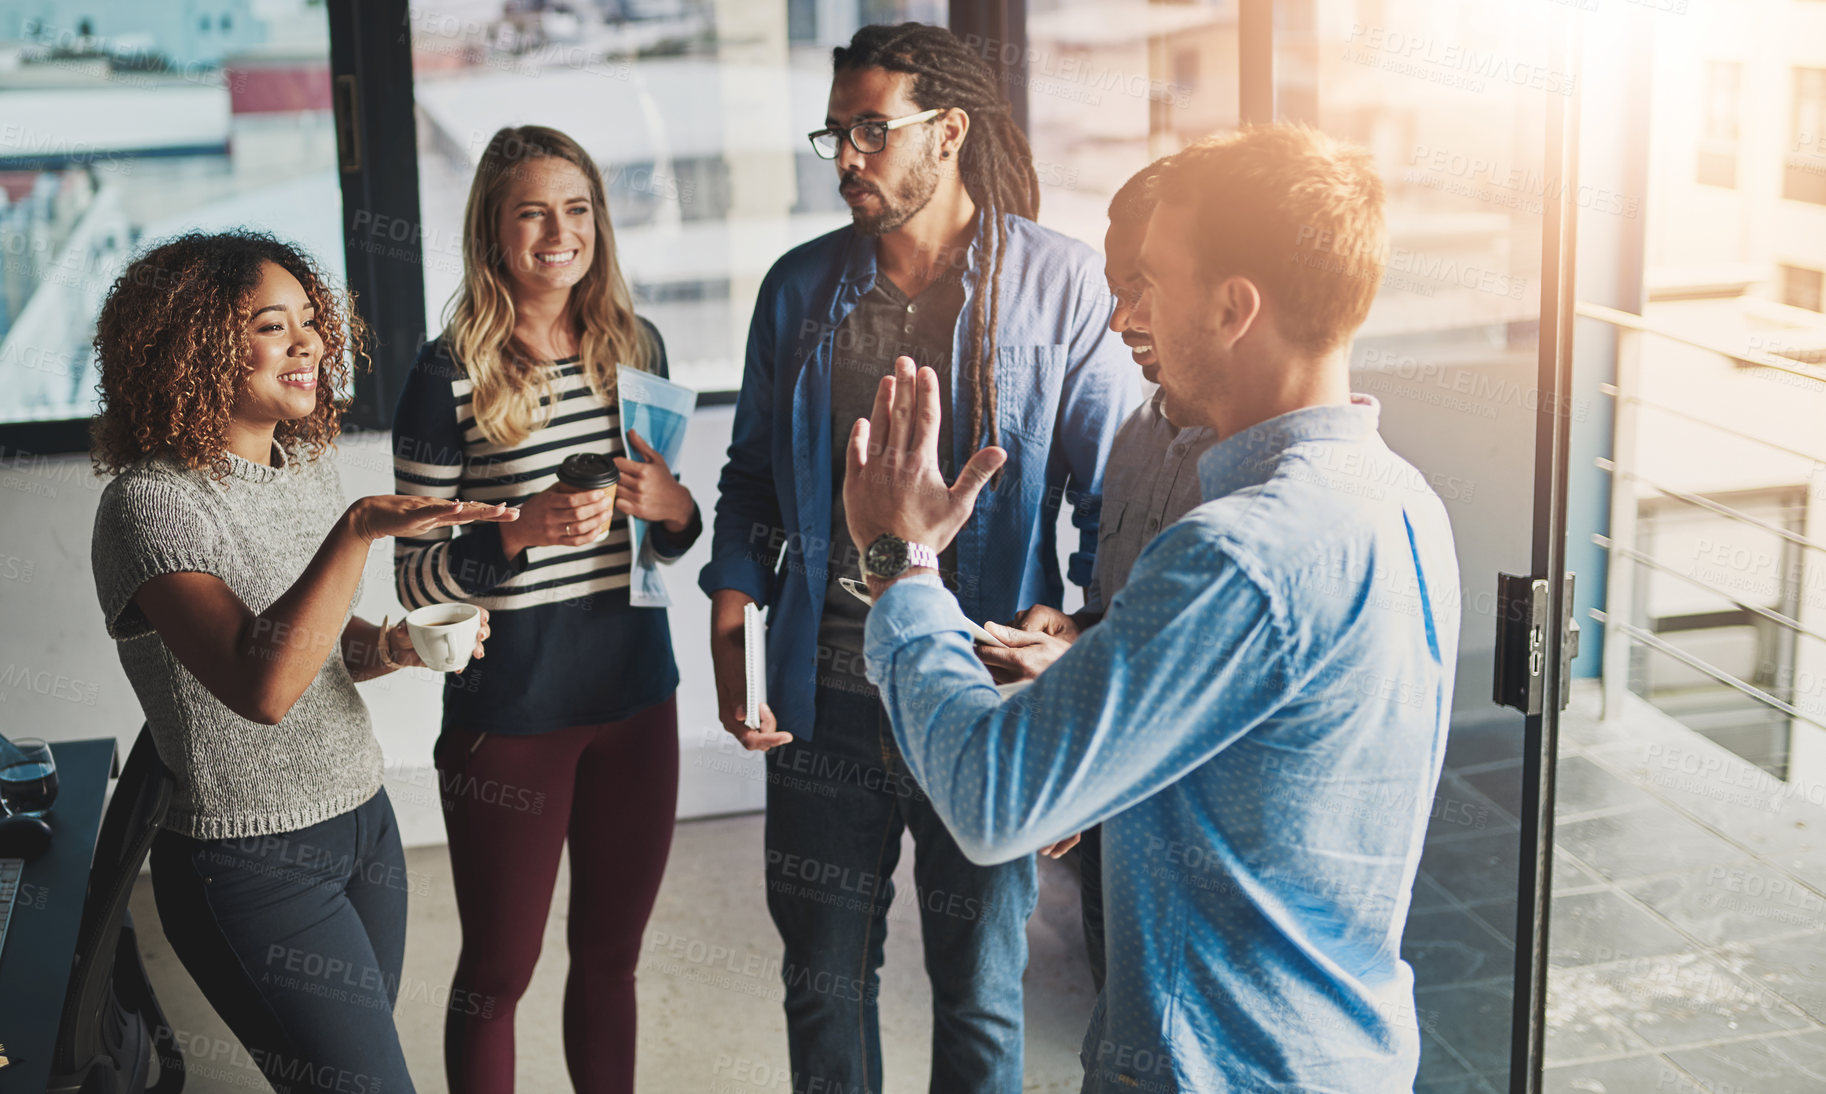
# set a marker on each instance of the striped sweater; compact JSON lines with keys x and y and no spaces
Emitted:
{"x":567,"y":647}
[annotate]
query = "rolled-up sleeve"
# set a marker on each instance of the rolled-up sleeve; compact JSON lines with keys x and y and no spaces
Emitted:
{"x":670,"y":546}
{"x":746,"y":537}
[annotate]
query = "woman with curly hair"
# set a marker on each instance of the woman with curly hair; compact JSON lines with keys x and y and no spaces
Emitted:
{"x":227,"y":563}
{"x":576,"y":709}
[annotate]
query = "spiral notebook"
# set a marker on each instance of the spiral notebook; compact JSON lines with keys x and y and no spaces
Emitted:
{"x":754,"y":659}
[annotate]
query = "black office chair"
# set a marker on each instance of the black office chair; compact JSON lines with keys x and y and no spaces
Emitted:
{"x":111,"y":1020}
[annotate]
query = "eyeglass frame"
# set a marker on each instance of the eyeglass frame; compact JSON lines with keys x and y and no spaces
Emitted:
{"x":848,"y":132}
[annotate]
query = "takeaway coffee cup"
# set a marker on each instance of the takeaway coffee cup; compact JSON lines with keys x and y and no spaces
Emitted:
{"x":582,"y":471}
{"x":445,"y":635}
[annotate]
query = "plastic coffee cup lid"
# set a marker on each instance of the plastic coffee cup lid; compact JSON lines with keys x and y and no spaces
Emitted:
{"x":588,"y":471}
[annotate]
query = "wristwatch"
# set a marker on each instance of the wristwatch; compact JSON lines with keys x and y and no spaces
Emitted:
{"x":890,"y":556}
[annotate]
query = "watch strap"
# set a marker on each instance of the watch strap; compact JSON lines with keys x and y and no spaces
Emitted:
{"x":918,"y":555}
{"x":900,"y":554}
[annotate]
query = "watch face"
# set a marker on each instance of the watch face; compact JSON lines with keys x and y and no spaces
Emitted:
{"x":886,"y":557}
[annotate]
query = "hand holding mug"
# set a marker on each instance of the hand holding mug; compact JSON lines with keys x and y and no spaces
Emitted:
{"x":559,"y":516}
{"x":405,"y":654}
{"x":445,"y":636}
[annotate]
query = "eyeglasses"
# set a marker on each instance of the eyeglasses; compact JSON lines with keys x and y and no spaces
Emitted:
{"x":867,"y":137}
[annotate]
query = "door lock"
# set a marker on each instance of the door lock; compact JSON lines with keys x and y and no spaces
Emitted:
{"x":1521,"y":642}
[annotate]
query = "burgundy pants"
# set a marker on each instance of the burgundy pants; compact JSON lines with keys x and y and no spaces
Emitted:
{"x":509,"y":805}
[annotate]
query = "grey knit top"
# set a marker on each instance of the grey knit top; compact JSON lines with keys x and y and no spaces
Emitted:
{"x":257,"y":530}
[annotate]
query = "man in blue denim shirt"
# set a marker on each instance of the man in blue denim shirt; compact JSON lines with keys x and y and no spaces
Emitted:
{"x":940,"y":184}
{"x":1259,"y":719}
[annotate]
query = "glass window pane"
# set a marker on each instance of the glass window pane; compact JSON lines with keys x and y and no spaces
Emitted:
{"x":1452,"y":101}
{"x":1805,"y":178}
{"x":127,"y":128}
{"x":1109,"y":91}
{"x":1686,"y":940}
{"x":695,"y":111}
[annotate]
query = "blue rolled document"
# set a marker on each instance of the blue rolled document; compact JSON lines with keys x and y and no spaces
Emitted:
{"x":659,"y":410}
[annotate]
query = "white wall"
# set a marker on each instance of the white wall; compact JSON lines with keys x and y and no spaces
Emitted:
{"x":60,"y":678}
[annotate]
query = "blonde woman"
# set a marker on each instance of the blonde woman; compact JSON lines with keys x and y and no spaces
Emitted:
{"x":569,"y":730}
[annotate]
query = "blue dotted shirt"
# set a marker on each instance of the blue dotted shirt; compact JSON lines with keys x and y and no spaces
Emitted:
{"x":1258,"y":722}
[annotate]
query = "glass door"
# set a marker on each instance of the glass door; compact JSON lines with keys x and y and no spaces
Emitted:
{"x":1689,"y":907}
{"x":1463,"y":106}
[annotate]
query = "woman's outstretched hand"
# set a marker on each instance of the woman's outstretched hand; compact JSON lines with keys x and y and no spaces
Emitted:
{"x":381,"y":515}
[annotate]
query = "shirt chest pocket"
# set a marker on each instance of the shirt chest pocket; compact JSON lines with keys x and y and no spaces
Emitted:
{"x":1109,"y":521}
{"x":1027,"y":383}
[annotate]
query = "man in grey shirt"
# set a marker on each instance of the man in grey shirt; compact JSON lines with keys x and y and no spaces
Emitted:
{"x":1150,"y":481}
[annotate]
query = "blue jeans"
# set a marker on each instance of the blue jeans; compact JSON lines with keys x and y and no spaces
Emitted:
{"x":1090,"y":899}
{"x":837,"y":806}
{"x":296,"y":940}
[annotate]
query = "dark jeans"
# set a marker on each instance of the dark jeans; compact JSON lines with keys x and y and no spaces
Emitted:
{"x":1090,"y":898}
{"x":296,"y":940}
{"x":837,"y":806}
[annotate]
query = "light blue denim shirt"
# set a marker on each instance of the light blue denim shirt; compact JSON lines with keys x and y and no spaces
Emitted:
{"x":1064,"y":382}
{"x":1258,"y":723}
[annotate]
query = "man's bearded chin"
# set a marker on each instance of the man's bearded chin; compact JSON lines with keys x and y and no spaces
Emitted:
{"x":905,"y":204}
{"x":879,"y":224}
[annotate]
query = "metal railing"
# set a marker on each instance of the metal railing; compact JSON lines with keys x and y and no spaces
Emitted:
{"x":1623,"y":631}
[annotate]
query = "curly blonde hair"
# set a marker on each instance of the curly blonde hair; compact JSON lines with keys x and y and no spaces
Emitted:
{"x":172,"y":343}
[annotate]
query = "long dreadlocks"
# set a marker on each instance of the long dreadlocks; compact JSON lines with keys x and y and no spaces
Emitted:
{"x":995,"y":164}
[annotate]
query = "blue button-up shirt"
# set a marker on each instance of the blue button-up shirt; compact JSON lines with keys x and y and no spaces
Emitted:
{"x":1064,"y":382}
{"x":1258,"y":722}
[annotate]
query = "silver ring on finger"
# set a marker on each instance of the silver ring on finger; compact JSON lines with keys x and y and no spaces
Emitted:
{"x":567,"y":529}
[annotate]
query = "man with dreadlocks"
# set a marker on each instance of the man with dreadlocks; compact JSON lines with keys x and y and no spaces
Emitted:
{"x":1259,"y":720}
{"x":943,"y":263}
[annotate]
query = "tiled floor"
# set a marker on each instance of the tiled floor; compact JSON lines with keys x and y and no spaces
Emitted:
{"x":1688,"y":940}
{"x":1688,"y":926}
{"x":709,"y":987}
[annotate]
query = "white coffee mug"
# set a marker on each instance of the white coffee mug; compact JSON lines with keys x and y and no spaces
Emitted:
{"x":445,"y":635}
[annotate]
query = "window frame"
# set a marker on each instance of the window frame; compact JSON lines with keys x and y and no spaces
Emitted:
{"x":371,"y":94}
{"x":1793,"y":276}
{"x":1723,"y":89}
{"x":1802,"y":176}
{"x":373,"y":105}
